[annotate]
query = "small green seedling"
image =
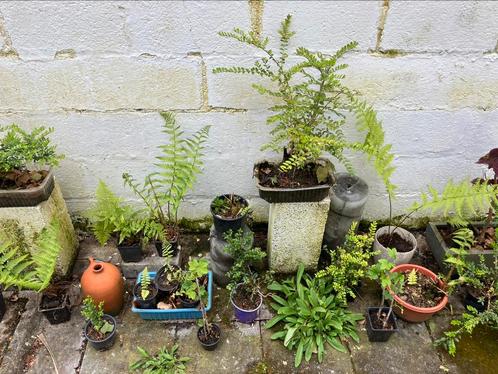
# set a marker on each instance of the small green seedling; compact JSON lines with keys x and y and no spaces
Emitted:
{"x":144,"y":284}
{"x":95,"y":314}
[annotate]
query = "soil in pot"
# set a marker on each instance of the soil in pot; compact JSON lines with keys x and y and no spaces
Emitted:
{"x":484,"y":237}
{"x":245,"y":299}
{"x":395,"y":241}
{"x":377,"y":330}
{"x":163,"y":283}
{"x":147,"y":303}
{"x":98,"y":340}
{"x":424,"y":294}
{"x":270,"y":175}
{"x":209,"y":340}
{"x":378,"y":321}
{"x":229,"y":206}
{"x":22,"y":179}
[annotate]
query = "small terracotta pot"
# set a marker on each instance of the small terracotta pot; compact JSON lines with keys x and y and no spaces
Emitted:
{"x":410,"y":312}
{"x":103,"y":282}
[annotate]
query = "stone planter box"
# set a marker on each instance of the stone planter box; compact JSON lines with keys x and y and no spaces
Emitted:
{"x":28,"y":197}
{"x":440,"y":248}
{"x":23,"y":223}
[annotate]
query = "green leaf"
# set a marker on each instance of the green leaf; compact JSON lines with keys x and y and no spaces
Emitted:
{"x":289,"y":335}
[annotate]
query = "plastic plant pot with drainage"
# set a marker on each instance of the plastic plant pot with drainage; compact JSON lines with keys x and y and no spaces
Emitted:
{"x":211,"y":344}
{"x":174,"y":314}
{"x":130,"y":253}
{"x":55,"y":310}
{"x":246,"y":315}
{"x":376,"y":334}
{"x":108,"y":341}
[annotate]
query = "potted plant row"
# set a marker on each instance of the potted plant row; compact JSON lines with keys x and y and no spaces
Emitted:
{"x":177,"y":169}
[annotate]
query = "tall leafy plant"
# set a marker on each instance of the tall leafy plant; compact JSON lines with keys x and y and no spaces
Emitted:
{"x":313,"y":101}
{"x":177,"y":168}
{"x":30,"y":271}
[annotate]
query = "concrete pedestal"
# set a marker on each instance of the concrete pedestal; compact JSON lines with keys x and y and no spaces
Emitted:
{"x":295,"y":233}
{"x":23,"y":224}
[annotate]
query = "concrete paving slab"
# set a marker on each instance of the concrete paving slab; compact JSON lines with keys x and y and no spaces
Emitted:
{"x":132,"y":332}
{"x":278,"y":359}
{"x":238,"y":351}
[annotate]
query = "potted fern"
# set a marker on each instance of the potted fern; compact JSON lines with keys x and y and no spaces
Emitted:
{"x":309,"y":118}
{"x":26,"y":158}
{"x":244,"y":283}
{"x":145,"y":292}
{"x":229,"y":212}
{"x":110,"y":216}
{"x":163,"y":190}
{"x":100,"y":328}
{"x":482,"y":199}
{"x":34,"y":271}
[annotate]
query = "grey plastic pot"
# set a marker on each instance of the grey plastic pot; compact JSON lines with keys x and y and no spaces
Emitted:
{"x":401,"y":257}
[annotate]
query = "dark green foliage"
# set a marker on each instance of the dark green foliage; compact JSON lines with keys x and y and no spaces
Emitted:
{"x":309,"y":317}
{"x":196,"y":269}
{"x":164,"y":362}
{"x":178,"y":167}
{"x":310,"y":115}
{"x":30,"y":271}
{"x":349,"y":262}
{"x":19,"y":148}
{"x":95,"y":314}
{"x":239,"y":246}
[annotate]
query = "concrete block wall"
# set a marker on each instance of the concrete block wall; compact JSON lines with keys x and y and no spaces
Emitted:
{"x":100,"y":71}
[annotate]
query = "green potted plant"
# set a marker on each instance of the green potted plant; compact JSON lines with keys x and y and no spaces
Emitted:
{"x":34,"y":271}
{"x":380,"y":321}
{"x":457,"y":202}
{"x":177,"y":168}
{"x":349,"y":263}
{"x":100,"y":328}
{"x":145,"y":292}
{"x":111,"y":216}
{"x":229,"y":212}
{"x":166,"y":361}
{"x":188,"y":293}
{"x":244,"y":283}
{"x":21,"y":185}
{"x":482,"y":200}
{"x":308,"y":119}
{"x":208,"y":334}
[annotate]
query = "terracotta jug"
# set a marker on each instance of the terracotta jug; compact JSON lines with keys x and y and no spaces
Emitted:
{"x":103,"y":282}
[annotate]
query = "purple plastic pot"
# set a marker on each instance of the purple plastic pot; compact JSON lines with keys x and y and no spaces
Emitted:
{"x":246,"y":316}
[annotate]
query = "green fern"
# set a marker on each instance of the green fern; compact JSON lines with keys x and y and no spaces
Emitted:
{"x":178,"y":167}
{"x":145,"y":283}
{"x":30,"y":271}
{"x":310,"y":115}
{"x":458,"y":202}
{"x":412,"y":278}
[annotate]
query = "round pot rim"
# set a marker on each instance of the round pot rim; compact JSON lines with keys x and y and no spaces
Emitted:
{"x":209,"y":344}
{"x":426,"y":272}
{"x":245,"y":310}
{"x":413,"y":240}
{"x":151,"y":296}
{"x":160,"y":288}
{"x":225,"y":218}
{"x":109,"y":318}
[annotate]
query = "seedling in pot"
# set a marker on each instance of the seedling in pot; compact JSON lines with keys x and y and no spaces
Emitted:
{"x":390,"y":283}
{"x":230,"y":206}
{"x":98,"y":330}
{"x":209,"y":334}
{"x":188,"y":292}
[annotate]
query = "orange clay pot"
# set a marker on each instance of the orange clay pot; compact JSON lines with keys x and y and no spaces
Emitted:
{"x":103,"y":282}
{"x":412,"y":313}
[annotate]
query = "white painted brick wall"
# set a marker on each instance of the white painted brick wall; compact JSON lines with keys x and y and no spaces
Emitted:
{"x":99,"y":71}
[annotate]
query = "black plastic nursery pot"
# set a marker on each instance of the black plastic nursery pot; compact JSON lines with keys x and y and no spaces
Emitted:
{"x":149,"y":302}
{"x":471,"y":300}
{"x":213,"y":343}
{"x":164,"y":290}
{"x":293,"y":195}
{"x":380,"y":335}
{"x":130,"y":253}
{"x":108,"y":341}
{"x":55,"y":309}
{"x":440,"y":248}
{"x":3,"y":308}
{"x":174,"y":246}
{"x":223,"y":224}
{"x":188,"y":303}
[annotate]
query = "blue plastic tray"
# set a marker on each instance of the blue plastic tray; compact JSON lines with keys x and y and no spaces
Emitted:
{"x":185,"y":313}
